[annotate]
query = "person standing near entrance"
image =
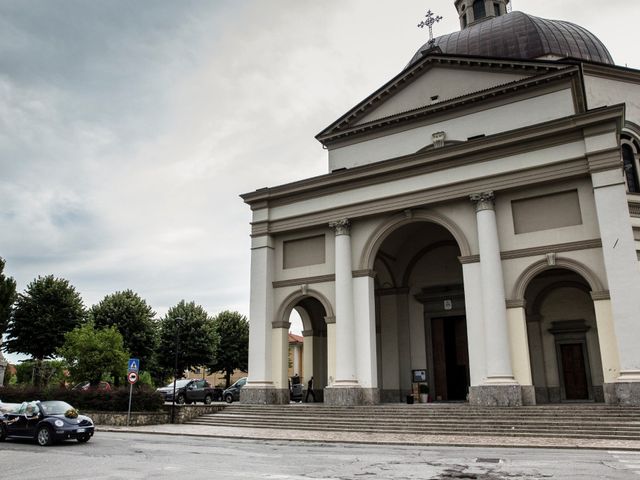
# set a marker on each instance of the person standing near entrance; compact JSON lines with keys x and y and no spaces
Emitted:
{"x":310,"y":391}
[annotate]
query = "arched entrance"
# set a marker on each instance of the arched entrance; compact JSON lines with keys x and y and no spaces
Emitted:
{"x":564,"y":350}
{"x":307,"y":356}
{"x":420,"y":313}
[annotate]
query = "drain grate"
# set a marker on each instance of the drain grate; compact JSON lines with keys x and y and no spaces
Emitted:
{"x":488,"y":460}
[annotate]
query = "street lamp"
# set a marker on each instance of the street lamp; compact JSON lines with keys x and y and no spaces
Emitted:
{"x":178,"y":320}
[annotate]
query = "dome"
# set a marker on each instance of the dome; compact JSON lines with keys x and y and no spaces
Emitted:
{"x":522,"y":36}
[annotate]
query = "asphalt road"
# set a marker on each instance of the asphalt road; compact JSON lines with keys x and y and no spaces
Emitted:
{"x":134,"y":456}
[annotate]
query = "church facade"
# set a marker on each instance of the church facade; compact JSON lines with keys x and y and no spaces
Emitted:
{"x":480,"y":221}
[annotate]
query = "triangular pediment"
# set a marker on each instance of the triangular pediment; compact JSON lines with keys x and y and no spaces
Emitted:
{"x":436,"y":80}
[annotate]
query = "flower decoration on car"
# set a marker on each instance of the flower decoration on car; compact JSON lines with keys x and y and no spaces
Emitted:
{"x":71,"y":413}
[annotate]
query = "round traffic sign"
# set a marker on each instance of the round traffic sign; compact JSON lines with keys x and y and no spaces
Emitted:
{"x":132,"y":377}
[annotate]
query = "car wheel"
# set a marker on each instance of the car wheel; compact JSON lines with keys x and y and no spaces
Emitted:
{"x":84,"y":438}
{"x":44,"y":436}
{"x":228,"y":398}
{"x":180,"y":399}
{"x":208,"y":399}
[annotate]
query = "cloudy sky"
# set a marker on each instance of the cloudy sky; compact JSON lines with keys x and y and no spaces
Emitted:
{"x":128,"y":129}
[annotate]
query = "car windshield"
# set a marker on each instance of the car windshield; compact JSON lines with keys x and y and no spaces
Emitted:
{"x":55,"y":407}
{"x":179,"y":384}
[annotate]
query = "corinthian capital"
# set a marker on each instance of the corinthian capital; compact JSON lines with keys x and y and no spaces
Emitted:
{"x":342,"y":227}
{"x":483,"y":201}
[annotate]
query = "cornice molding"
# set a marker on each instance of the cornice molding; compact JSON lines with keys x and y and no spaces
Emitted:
{"x":295,"y":282}
{"x":341,"y":128}
{"x":282,"y":324}
{"x":363,"y":273}
{"x":555,"y":248}
{"x":603,"y":295}
{"x":528,"y":138}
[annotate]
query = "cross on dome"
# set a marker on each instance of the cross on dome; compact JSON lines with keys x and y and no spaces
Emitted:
{"x":431,"y":20}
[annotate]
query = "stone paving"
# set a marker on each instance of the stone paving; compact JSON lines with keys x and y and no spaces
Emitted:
{"x":377,"y":438}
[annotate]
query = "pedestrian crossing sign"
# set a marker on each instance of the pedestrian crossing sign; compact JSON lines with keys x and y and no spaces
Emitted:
{"x":134,"y":365}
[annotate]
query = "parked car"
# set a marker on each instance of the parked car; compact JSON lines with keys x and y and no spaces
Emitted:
{"x":86,"y":385}
{"x":46,"y":422}
{"x":191,"y":391}
{"x":233,"y":392}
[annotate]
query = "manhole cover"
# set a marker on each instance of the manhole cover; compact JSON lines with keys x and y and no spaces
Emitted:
{"x":487,"y":460}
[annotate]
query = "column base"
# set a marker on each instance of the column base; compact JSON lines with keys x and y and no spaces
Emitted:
{"x":264,"y":396}
{"x":351,"y":395}
{"x":625,"y":394}
{"x":499,"y":395}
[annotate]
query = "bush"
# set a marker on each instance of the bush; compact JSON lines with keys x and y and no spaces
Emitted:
{"x":115,"y":400}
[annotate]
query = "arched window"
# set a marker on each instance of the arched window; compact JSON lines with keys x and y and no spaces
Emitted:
{"x":496,"y":9}
{"x":479,"y":10}
{"x":630,"y":162}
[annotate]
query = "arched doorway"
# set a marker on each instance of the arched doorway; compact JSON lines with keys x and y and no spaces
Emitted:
{"x":420,"y":313}
{"x":564,"y":350}
{"x":307,"y":355}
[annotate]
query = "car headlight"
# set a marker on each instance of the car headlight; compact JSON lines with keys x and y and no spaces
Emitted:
{"x":59,"y":423}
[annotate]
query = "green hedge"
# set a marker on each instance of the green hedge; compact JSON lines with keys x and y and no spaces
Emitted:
{"x":144,"y":399}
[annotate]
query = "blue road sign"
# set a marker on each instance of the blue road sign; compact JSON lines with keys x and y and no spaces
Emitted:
{"x":134,"y":365}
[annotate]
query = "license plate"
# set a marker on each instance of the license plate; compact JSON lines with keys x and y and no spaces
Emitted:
{"x":80,"y":430}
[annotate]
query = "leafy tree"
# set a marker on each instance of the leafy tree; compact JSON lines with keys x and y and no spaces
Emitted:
{"x":198,"y":339}
{"x":50,"y":372}
{"x":233,"y":353}
{"x":93,"y":354}
{"x":7,"y":298}
{"x":134,"y":319}
{"x":49,"y":308}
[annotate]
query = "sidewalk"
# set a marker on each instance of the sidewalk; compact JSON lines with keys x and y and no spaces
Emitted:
{"x":376,"y":438}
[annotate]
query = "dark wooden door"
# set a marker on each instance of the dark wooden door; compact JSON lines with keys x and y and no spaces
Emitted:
{"x":450,"y":358}
{"x":574,"y":371}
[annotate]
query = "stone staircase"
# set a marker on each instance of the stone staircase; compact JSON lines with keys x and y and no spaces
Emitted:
{"x":557,"y":421}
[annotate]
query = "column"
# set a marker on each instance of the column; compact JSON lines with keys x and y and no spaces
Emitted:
{"x":345,"y":389}
{"x":623,"y":276}
{"x":260,"y":388}
{"x":519,"y":342}
{"x":365,"y":319}
{"x":307,"y":355}
{"x":607,"y":342}
{"x":280,"y":350}
{"x":331,"y":350}
{"x":475,"y":321}
{"x":499,"y":387}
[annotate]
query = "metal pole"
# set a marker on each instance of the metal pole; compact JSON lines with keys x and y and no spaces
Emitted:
{"x":129,"y":411}
{"x":175,"y":371}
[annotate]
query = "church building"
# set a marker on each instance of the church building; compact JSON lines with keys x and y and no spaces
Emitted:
{"x":479,"y":221}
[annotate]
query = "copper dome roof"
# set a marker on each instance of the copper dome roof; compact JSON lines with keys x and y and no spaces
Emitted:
{"x":518,"y":35}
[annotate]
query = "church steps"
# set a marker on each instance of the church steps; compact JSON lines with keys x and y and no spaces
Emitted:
{"x":588,"y":421}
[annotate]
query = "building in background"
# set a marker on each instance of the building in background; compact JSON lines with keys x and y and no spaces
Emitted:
{"x":480,"y":220}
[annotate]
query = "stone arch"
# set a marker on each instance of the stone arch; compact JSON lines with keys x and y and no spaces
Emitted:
{"x":289,"y":303}
{"x":540,"y":266}
{"x":534,"y":308}
{"x":374,"y":242}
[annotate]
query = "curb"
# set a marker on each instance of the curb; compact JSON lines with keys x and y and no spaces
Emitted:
{"x":481,"y":440}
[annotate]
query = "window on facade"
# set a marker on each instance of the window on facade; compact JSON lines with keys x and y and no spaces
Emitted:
{"x":630,"y":164}
{"x":496,"y":9}
{"x":479,"y":10}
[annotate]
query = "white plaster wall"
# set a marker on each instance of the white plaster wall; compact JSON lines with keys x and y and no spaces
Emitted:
{"x":520,"y":113}
{"x":446,"y":83}
{"x":602,"y":92}
{"x":588,"y":230}
{"x":325,"y":268}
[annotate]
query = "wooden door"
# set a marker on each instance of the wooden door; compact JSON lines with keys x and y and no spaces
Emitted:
{"x":574,"y":371}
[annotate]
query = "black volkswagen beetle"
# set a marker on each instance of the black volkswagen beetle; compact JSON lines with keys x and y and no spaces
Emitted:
{"x":46,"y":422}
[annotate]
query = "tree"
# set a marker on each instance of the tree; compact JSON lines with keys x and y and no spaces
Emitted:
{"x":94,"y":354}
{"x":7,"y":298}
{"x":134,"y":319}
{"x":233,"y":353}
{"x":198,"y":339}
{"x":48,"y":309}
